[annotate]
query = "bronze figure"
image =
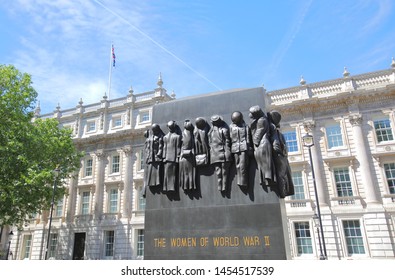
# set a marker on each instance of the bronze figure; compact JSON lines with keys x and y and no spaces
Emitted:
{"x":220,"y":155}
{"x":171,"y":156}
{"x":187,"y":158}
{"x":240,"y":146}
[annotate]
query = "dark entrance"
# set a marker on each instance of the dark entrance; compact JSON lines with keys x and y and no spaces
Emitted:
{"x":79,"y":246}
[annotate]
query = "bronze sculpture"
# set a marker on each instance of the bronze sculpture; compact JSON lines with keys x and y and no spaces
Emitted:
{"x":280,"y":157}
{"x":240,"y":146}
{"x":173,"y":160}
{"x":171,"y":155}
{"x":260,"y":131}
{"x":202,"y":148}
{"x":154,"y":153}
{"x":220,"y":155}
{"x":187,"y":158}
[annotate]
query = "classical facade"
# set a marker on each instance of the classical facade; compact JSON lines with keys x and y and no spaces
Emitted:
{"x":352,"y":120}
{"x":102,"y":217}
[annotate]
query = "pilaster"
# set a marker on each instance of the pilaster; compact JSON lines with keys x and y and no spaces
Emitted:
{"x":100,"y":164}
{"x":363,"y":159}
{"x":128,"y":189}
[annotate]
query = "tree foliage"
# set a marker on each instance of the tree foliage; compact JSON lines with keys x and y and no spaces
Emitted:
{"x":29,"y":151}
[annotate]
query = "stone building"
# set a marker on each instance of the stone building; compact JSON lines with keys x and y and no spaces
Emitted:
{"x":352,"y":120}
{"x":102,"y":217}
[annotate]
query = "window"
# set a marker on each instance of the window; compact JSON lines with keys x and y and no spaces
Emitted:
{"x":334,"y":136}
{"x":298,"y":185}
{"x":383,"y":130}
{"x":91,"y":126}
{"x":109,"y":243}
{"x":117,"y":122}
{"x":141,"y":160}
{"x":88,"y":167}
{"x":140,"y":243}
{"x":33,"y":215}
{"x":53,"y":243}
{"x":343,"y":182}
{"x":353,"y":234}
{"x":85,"y":203}
{"x":144,"y":117}
{"x":59,"y":208}
{"x":303,"y":238}
{"x":141,"y":200}
{"x":115,"y":164}
{"x":113,"y":201}
{"x":390,"y":174}
{"x":292,"y":142}
{"x":27,"y":244}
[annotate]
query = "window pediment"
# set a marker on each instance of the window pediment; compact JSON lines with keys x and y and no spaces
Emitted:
{"x":340,"y":160}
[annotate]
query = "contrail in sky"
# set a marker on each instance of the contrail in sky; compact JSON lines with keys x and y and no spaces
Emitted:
{"x":156,"y":43}
{"x":288,"y":40}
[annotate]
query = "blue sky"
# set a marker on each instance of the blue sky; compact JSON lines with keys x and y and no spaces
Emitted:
{"x":199,"y":46}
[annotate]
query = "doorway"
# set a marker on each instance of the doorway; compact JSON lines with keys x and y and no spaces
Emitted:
{"x":79,"y":246}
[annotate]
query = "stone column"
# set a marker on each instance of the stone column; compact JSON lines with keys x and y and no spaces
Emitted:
{"x":363,"y":158}
{"x":100,"y":164}
{"x":309,"y":127}
{"x":128,"y":182}
{"x":70,"y":207}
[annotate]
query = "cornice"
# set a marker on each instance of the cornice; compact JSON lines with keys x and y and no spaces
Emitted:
{"x":144,"y":99}
{"x":119,"y":135}
{"x":361,"y":86}
{"x":315,"y":104}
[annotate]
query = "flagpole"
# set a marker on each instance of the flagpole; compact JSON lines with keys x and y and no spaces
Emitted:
{"x":110,"y":72}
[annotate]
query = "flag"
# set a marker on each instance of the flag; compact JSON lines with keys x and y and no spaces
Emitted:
{"x":113,"y":56}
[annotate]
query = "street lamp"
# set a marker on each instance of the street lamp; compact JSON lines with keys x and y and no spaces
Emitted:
{"x":10,"y":236}
{"x":56,"y":173}
{"x":317,"y":224}
{"x":308,"y":141}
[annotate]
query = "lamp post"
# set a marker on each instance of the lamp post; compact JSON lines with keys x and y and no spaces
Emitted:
{"x":317,"y":224}
{"x":10,"y":236}
{"x":56,"y":173}
{"x":308,"y":141}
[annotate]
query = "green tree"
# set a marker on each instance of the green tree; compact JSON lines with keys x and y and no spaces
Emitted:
{"x":29,"y":151}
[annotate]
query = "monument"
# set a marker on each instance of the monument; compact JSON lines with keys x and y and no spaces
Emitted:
{"x":217,"y":173}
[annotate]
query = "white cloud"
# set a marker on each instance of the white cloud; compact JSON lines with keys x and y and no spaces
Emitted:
{"x":68,"y":47}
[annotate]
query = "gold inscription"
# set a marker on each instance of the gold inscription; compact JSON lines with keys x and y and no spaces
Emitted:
{"x":267,"y":240}
{"x":160,"y":242}
{"x":203,"y":241}
{"x":216,"y":241}
{"x":250,"y":241}
{"x":183,"y":242}
{"x":226,"y":241}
